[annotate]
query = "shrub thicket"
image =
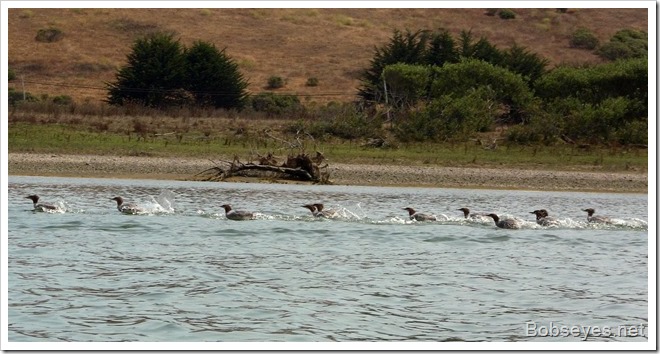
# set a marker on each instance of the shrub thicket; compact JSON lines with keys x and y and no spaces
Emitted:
{"x":439,"y":49}
{"x":597,"y":104}
{"x":472,"y":86}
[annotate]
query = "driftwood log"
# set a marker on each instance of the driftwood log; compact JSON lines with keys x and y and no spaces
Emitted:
{"x":301,"y":167}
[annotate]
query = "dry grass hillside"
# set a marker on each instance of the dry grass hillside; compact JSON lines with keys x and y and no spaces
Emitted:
{"x":332,"y":45}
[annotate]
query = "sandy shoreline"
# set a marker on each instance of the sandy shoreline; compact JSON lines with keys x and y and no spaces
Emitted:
{"x":341,"y":174}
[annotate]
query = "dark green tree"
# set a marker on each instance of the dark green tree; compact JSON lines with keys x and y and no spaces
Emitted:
{"x":529,"y":65}
{"x":442,"y":49}
{"x":154,"y":74}
{"x":482,"y":49}
{"x":213,"y":78}
{"x":407,"y":48}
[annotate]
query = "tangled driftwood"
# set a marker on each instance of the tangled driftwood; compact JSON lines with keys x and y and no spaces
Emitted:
{"x":301,"y":167}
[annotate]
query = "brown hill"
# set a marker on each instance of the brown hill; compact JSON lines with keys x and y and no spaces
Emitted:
{"x":331,"y":45}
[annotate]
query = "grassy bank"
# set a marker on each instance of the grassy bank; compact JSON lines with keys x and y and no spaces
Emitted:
{"x":225,"y":138}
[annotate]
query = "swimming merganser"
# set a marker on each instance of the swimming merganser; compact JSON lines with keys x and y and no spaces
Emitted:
{"x":328,"y":213}
{"x":320,"y":213}
{"x":41,"y":206}
{"x":127,"y":208}
{"x":543,"y":219}
{"x":466,"y":213}
{"x":419,"y":216}
{"x":592,"y":218}
{"x":236,"y":214}
{"x":505,"y":223}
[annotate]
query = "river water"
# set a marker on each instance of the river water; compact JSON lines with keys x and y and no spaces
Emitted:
{"x":182,"y":272}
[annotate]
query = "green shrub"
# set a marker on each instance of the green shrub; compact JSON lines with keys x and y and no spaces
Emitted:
{"x":63,"y":100}
{"x":275,"y":82}
{"x":312,"y":82}
{"x":343,"y":121}
{"x":406,"y":84}
{"x":11,"y":74}
{"x":635,"y":132}
{"x":15,"y":97}
{"x":543,"y":127}
{"x":615,"y":50}
{"x":593,"y":84}
{"x":597,"y":123}
{"x":625,"y":44}
{"x":406,"y":48}
{"x":274,"y":104}
{"x":522,"y":135}
{"x":509,"y":89}
{"x":519,"y":60}
{"x":450,"y":117}
{"x":584,"y":39}
{"x":507,"y":14}
{"x":49,"y":35}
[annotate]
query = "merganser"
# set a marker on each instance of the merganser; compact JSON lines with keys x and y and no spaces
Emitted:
{"x":320,"y":213}
{"x":329,"y":213}
{"x":592,"y":218}
{"x":505,"y":223}
{"x":236,"y":214}
{"x":543,"y":219}
{"x":41,"y":206}
{"x":466,"y":213}
{"x":127,"y":208}
{"x":419,"y":216}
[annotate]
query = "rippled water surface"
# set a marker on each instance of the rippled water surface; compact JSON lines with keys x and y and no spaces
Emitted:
{"x":183,"y":272}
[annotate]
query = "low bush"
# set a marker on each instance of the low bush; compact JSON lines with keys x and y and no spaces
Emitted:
{"x":625,"y":44}
{"x":275,"y":82}
{"x":312,"y":82}
{"x":63,"y":100}
{"x":274,"y":104}
{"x":343,"y":121}
{"x":507,"y":14}
{"x":584,"y":39}
{"x":49,"y":35}
{"x":15,"y":97}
